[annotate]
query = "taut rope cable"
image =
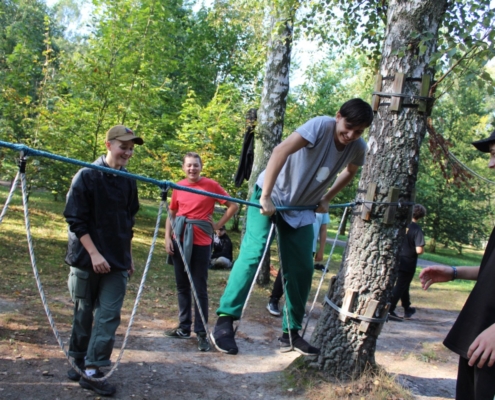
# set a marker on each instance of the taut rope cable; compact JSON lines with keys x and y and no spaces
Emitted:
{"x":162,"y":184}
{"x":469,"y":169}
{"x":285,"y":309}
{"x":267,"y":246}
{"x":9,"y":197}
{"x":325,"y":270}
{"x":42,"y":293}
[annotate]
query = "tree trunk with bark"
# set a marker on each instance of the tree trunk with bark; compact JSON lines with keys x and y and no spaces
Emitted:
{"x":272,"y":108}
{"x":367,"y":271}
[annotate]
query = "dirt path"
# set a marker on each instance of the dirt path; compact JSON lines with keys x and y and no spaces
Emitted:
{"x":154,"y":367}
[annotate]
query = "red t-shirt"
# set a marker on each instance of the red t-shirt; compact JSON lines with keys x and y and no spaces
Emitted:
{"x":197,"y":206}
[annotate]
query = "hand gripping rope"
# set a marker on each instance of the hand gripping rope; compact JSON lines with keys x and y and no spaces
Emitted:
{"x":42,"y":293}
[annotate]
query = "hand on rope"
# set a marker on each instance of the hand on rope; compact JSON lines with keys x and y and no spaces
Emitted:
{"x":267,"y":206}
{"x":322,"y":206}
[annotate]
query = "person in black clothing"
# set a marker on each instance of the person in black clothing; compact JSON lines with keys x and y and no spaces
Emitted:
{"x":412,"y":246}
{"x":221,"y":257}
{"x":473,"y":335}
{"x":100,"y":212}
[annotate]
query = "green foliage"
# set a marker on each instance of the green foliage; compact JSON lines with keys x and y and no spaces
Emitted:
{"x":214,"y":131}
{"x":457,"y":214}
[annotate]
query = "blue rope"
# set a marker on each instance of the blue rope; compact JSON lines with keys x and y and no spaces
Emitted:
{"x":164,"y":185}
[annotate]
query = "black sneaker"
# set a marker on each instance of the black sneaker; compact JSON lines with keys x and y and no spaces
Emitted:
{"x":298,"y":344}
{"x":394,"y":317}
{"x":178,"y":333}
{"x":101,"y":387}
{"x":72,"y":374}
{"x":223,"y":337}
{"x":320,"y":267}
{"x":203,"y":343}
{"x":272,"y":308}
{"x":409,"y":312}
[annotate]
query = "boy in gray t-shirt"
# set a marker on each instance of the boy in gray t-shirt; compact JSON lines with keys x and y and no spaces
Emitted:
{"x":298,"y":173}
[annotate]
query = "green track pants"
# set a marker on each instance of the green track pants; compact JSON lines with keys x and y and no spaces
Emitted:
{"x":296,"y":247}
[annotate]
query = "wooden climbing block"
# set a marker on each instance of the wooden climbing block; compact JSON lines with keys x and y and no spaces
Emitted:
{"x":397,"y":87}
{"x":349,"y":297}
{"x":370,"y":312}
{"x":367,"y":207}
{"x":375,"y":100}
{"x":393,"y":197}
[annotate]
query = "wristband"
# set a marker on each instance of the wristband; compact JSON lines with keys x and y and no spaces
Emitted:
{"x":454,"y":276}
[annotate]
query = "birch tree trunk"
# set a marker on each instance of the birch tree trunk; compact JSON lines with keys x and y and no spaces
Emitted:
{"x":272,"y":108}
{"x":367,"y":268}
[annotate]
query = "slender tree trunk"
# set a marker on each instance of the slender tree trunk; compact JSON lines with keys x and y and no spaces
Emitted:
{"x":272,"y":108}
{"x":392,"y":160}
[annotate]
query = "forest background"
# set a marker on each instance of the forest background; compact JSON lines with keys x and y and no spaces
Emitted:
{"x":183,"y":75}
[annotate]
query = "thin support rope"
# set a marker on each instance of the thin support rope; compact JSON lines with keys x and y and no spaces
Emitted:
{"x":285,"y":309}
{"x":43,"y":297}
{"x":9,"y":197}
{"x":188,"y":272}
{"x":267,"y":246}
{"x":470,"y":170}
{"x":355,"y":315}
{"x":325,"y":270}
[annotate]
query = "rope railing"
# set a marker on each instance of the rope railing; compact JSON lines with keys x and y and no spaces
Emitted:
{"x":163,"y":184}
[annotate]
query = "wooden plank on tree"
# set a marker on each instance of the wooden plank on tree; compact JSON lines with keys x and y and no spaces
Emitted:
{"x":397,"y":87}
{"x":349,"y":297}
{"x":383,"y":314}
{"x":375,"y":100}
{"x":424,"y":91}
{"x":370,"y":312}
{"x":367,"y":207}
{"x":393,"y":197}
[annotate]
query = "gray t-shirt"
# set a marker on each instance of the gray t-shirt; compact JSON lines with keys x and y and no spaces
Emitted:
{"x":307,"y":174}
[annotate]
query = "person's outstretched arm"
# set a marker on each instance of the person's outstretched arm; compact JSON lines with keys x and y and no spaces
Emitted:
{"x":440,"y":273}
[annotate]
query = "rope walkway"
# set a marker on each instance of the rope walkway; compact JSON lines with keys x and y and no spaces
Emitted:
{"x":165,"y":186}
{"x":40,"y":286}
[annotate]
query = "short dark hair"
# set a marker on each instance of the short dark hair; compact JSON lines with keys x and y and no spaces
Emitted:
{"x":357,"y":112}
{"x":418,"y":211}
{"x":192,"y":154}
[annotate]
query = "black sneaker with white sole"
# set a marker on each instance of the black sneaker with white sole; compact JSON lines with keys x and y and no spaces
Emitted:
{"x":298,"y":344}
{"x":178,"y":333}
{"x":272,"y":308}
{"x":101,"y":387}
{"x":223,"y":337}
